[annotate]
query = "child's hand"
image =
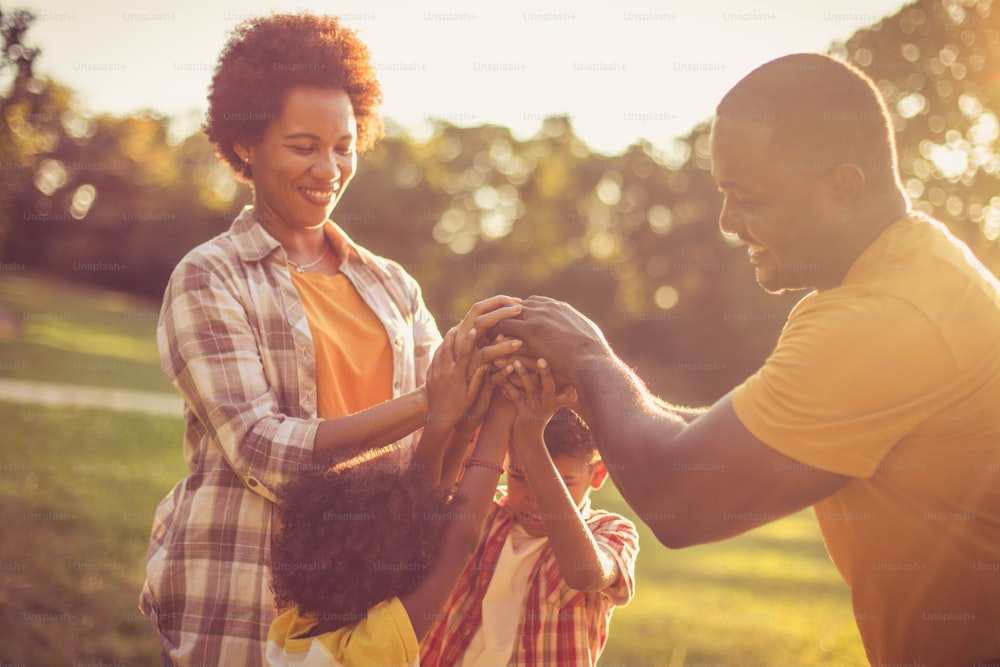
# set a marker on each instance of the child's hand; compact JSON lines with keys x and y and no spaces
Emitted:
{"x":451,"y":390}
{"x":535,"y":395}
{"x":473,"y":418}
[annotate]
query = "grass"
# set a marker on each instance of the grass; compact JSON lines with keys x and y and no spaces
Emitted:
{"x":78,"y":489}
{"x":77,"y":494}
{"x":55,"y":331}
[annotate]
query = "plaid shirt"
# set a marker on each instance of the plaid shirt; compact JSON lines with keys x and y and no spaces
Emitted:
{"x":560,"y":626}
{"x":234,"y":340}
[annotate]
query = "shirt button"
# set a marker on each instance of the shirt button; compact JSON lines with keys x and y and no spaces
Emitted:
{"x":252,"y":482}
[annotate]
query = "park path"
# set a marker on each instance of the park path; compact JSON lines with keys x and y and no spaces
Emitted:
{"x":70,"y":395}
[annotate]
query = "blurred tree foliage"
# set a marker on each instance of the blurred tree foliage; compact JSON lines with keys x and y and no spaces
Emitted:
{"x":630,"y":239}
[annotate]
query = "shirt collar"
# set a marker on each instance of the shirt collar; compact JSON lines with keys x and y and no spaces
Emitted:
{"x":253,"y":243}
{"x":501,"y":500}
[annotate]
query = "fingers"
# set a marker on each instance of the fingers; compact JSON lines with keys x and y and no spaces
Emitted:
{"x":484,"y":307}
{"x":477,"y":380}
{"x":463,"y":350}
{"x":511,"y":393}
{"x":444,"y":355}
{"x":567,"y":397}
{"x":491,"y":318}
{"x":486,"y":355}
{"x":547,"y":381}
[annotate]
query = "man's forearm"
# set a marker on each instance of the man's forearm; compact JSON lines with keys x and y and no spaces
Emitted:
{"x":633,"y":429}
{"x":684,"y":413}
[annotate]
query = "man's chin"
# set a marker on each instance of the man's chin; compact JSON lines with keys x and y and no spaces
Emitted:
{"x":773,"y":284}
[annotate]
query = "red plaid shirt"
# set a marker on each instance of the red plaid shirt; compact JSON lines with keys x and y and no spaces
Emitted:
{"x":560,"y":625}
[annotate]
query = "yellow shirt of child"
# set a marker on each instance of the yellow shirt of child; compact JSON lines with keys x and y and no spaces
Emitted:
{"x":384,"y":638}
{"x":893,"y":378}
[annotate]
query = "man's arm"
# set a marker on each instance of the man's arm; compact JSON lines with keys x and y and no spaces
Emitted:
{"x":691,"y":483}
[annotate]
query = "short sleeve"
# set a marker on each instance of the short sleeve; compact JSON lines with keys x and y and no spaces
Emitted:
{"x":617,"y":537}
{"x":385,"y":637}
{"x":852,"y":374}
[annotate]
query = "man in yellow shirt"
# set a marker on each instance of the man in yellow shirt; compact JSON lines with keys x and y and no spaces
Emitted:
{"x":880,"y":404}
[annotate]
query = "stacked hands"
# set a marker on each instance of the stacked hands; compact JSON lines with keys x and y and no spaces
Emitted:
{"x":468,"y":369}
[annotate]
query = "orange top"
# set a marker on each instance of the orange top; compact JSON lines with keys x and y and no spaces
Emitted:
{"x":353,"y":355}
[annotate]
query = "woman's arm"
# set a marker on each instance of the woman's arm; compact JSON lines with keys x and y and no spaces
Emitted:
{"x":387,"y":422}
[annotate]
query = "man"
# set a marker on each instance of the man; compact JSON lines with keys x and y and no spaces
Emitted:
{"x":880,"y":404}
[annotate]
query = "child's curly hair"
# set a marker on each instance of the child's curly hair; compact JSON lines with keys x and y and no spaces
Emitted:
{"x":352,"y":537}
{"x":267,"y":56}
{"x":567,"y":434}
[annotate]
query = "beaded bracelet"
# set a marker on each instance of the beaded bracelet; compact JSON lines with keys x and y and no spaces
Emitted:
{"x":482,"y":463}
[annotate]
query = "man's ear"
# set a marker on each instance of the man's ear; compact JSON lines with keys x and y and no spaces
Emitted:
{"x":844,"y":185}
{"x":598,"y":475}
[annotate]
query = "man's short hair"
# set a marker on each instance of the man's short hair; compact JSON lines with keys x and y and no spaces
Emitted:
{"x":823,"y":111}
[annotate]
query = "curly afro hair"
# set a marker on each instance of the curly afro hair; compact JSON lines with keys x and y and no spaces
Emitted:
{"x":265,"y":57}
{"x":568,"y":435}
{"x":352,"y":537}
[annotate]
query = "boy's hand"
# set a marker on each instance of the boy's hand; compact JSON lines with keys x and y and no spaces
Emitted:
{"x":535,"y":396}
{"x":474,"y":416}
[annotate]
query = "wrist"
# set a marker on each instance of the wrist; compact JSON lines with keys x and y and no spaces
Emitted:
{"x":488,"y":464}
{"x":420,"y":400}
{"x":530,"y":427}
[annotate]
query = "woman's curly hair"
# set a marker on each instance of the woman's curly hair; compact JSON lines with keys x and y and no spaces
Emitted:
{"x":267,"y":56}
{"x":352,"y":537}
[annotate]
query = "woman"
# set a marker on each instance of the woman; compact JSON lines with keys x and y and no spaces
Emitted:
{"x":290,"y":344}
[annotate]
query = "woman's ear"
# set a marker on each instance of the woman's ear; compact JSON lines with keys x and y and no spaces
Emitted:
{"x":242,"y":152}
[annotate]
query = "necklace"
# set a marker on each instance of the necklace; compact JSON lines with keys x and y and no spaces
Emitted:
{"x":301,"y":268}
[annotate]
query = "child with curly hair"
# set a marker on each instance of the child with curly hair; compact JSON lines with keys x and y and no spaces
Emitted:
{"x":367,"y":555}
{"x":549,"y":570}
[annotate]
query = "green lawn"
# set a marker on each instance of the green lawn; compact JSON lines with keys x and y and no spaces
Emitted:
{"x":55,"y":331}
{"x":77,"y":493}
{"x":78,"y":489}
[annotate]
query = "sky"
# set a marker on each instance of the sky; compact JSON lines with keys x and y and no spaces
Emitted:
{"x":620,"y":70}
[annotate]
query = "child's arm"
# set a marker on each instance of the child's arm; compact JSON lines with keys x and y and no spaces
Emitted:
{"x":467,"y":514}
{"x":452,"y":391}
{"x":464,"y":435}
{"x":582,"y":563}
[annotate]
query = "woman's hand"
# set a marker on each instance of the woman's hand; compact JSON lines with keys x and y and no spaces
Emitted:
{"x":482,"y":316}
{"x":451,"y":388}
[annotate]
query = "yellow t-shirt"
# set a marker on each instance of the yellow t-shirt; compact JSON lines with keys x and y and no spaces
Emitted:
{"x":384,"y":638}
{"x":353,"y":355}
{"x":893,"y":378}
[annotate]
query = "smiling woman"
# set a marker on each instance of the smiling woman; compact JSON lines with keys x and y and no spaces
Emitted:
{"x":281,"y":371}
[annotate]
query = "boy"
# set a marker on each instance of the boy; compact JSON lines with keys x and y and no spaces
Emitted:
{"x":549,"y":570}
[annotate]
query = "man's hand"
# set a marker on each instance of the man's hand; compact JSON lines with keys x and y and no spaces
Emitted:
{"x":556,"y":331}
